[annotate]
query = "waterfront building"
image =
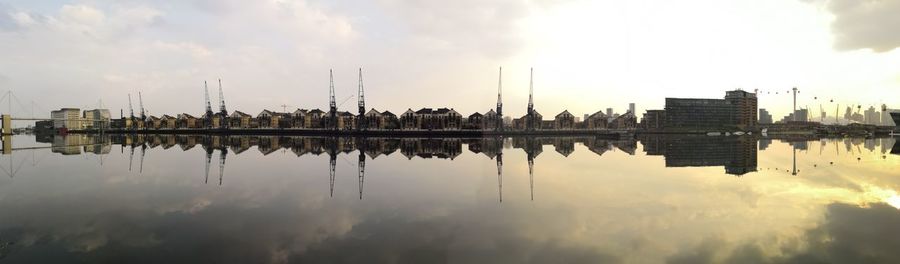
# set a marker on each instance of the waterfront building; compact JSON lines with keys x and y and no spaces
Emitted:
{"x":168,"y":122}
{"x":239,"y":119}
{"x":154,"y":122}
{"x":764,"y":117}
{"x":534,"y":121}
{"x":475,"y":121}
{"x":314,"y":119}
{"x":738,"y":109}
{"x":745,"y":103}
{"x":390,"y":120}
{"x":653,"y":119}
{"x":564,"y":120}
{"x":624,"y":121}
{"x":492,"y":120}
{"x":298,"y":118}
{"x":409,"y":120}
{"x":374,"y":119}
{"x":66,"y":118}
{"x":267,"y":119}
{"x":597,"y":120}
{"x":96,"y":118}
{"x":346,"y":120}
{"x":185,"y":120}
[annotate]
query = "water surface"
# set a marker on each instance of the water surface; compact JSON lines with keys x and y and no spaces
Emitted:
{"x":199,"y":199}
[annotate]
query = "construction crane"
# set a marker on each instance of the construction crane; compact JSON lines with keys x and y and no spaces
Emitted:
{"x":361,"y":121}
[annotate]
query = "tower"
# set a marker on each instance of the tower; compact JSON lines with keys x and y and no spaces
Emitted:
{"x":795,"y":104}
{"x":500,"y":101}
{"x":332,"y":106}
{"x":361,"y":120}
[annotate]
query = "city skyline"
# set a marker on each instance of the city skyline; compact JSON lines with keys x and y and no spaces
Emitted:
{"x":582,"y":62}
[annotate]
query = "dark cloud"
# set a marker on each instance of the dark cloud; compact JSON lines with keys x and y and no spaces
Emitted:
{"x":849,"y":234}
{"x":865,"y":24}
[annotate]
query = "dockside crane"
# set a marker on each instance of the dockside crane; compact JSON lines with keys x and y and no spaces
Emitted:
{"x":332,"y":105}
{"x":361,"y":120}
{"x":531,"y":101}
{"x":500,"y":101}
{"x":141,"y":103}
{"x":223,"y":113}
{"x":130,"y":112}
{"x":209,"y":113}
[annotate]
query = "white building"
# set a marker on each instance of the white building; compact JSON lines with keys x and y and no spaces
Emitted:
{"x":66,"y":118}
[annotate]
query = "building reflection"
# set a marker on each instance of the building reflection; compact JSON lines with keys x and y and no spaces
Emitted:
{"x":736,"y":154}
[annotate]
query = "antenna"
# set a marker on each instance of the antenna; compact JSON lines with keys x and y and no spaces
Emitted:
{"x":222,"y":100}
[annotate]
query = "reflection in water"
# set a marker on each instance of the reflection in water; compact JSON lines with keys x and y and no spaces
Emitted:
{"x":607,"y":201}
{"x":736,"y":154}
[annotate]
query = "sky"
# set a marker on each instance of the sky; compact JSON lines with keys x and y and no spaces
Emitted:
{"x":587,"y":55}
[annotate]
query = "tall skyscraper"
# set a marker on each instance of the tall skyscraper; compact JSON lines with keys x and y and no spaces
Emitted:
{"x":631,"y":108}
{"x":609,"y":111}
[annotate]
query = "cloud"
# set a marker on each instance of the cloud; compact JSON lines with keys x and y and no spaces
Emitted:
{"x":849,"y":234}
{"x":865,"y":24}
{"x":491,"y":27}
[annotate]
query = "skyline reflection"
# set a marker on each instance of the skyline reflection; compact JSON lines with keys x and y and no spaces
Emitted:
{"x":650,"y":200}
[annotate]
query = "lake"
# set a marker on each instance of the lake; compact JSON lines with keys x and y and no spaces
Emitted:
{"x":270,"y":199}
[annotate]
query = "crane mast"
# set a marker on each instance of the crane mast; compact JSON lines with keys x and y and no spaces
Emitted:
{"x":222,"y":100}
{"x":141,"y":103}
{"x":500,"y":100}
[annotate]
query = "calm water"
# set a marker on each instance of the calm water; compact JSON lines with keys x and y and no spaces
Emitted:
{"x":167,"y":199}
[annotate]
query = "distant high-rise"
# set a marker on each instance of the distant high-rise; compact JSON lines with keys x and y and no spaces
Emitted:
{"x":609,"y":111}
{"x":631,"y":108}
{"x":764,"y":116}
